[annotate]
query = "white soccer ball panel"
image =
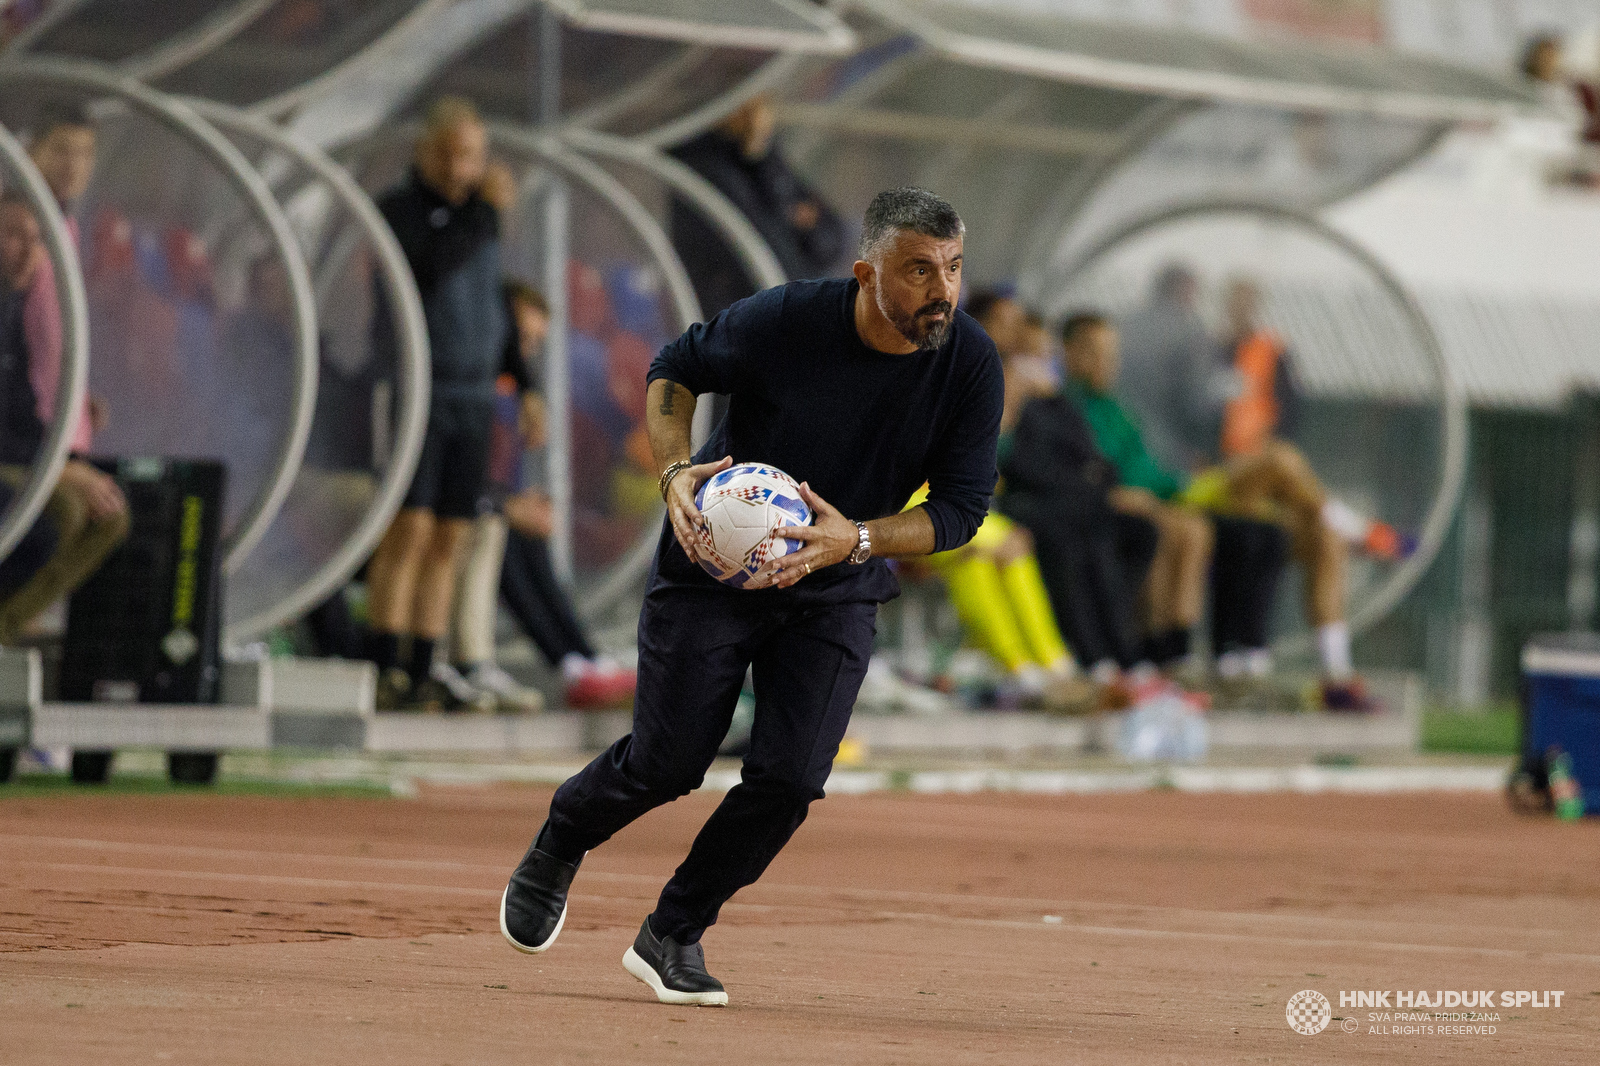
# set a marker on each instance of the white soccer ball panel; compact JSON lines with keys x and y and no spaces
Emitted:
{"x":737,"y":526}
{"x":746,"y":507}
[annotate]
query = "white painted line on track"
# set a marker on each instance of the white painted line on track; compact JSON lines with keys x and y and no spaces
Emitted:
{"x":914,"y":917}
{"x":837,"y":892}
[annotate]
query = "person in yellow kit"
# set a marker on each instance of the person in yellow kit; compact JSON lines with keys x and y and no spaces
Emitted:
{"x":997,"y":591}
{"x":993,"y":581}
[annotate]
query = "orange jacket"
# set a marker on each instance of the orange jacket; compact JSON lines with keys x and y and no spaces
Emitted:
{"x":1251,"y":419}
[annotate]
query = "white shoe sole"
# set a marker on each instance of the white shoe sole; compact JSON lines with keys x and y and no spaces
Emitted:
{"x":525,"y":949}
{"x":646,"y":973}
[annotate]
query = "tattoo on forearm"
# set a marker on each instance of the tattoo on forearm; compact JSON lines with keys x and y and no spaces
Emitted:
{"x":666,"y":398}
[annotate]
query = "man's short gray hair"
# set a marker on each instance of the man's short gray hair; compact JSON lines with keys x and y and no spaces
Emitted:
{"x":907,"y":210}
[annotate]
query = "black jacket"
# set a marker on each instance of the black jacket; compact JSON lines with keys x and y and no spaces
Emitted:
{"x":1054,"y":471}
{"x":454,"y":252}
{"x":21,"y":432}
{"x":766,"y":192}
{"x":865,"y":428}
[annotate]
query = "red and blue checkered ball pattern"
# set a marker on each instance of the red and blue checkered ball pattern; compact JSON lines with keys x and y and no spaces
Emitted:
{"x":745,"y":508}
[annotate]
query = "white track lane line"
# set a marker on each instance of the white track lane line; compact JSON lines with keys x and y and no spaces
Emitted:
{"x":905,"y":916}
{"x":842,"y":893}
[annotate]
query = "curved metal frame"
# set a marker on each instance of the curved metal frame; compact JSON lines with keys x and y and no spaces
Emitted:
{"x":74,"y":379}
{"x":753,"y":253}
{"x":52,"y":17}
{"x":1059,"y":215}
{"x":554,"y":153}
{"x":713,"y":111}
{"x":212,"y":31}
{"x":1452,"y":401}
{"x":179,"y":118}
{"x":837,"y":36}
{"x":384,"y":52}
{"x":1043,"y":257}
{"x":649,"y":230}
{"x":638,"y":217}
{"x":388,"y":48}
{"x":413,"y":364}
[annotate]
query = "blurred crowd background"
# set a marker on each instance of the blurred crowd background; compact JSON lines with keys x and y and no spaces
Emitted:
{"x":1397,"y":201}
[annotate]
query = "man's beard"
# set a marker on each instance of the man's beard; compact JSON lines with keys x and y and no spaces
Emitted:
{"x":919,"y":328}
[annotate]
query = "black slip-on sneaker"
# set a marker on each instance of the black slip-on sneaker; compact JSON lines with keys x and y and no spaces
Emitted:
{"x":533,"y":907}
{"x":676,"y":971}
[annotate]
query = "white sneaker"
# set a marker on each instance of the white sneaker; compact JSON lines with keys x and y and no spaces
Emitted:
{"x":470,"y":695}
{"x":512,"y":697}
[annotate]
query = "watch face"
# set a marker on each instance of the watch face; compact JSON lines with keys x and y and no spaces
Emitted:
{"x":863,"y":546}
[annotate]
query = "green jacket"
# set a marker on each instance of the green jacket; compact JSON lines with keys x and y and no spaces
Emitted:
{"x":1120,"y":441}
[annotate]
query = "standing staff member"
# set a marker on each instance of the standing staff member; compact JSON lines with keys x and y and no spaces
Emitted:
{"x":863,"y":388}
{"x":446,"y":217}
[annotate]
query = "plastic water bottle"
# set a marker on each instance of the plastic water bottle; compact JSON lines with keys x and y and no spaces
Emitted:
{"x":1564,"y":790}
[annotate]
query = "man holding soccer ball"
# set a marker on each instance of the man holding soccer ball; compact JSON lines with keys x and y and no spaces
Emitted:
{"x":862,"y":389}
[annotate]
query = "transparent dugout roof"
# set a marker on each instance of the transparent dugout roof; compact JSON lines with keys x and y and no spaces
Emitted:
{"x":1197,"y":66}
{"x":284,"y":44}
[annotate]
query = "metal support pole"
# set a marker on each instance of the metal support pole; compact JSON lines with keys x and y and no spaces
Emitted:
{"x":558,"y":381}
{"x":557,"y":362}
{"x":1583,"y":587}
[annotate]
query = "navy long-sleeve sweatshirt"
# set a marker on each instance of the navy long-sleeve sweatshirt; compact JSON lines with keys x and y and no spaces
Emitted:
{"x":864,"y":428}
{"x":454,"y":252}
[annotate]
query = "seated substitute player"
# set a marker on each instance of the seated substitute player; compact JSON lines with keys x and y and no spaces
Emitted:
{"x":862,"y":388}
{"x":1273,"y":483}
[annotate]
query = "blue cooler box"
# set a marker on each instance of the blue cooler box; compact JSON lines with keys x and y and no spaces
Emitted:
{"x":1561,"y":678}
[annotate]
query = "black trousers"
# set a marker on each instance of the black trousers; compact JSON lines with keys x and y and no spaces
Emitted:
{"x":694,"y":648}
{"x":1249,"y":559}
{"x":333,"y":631}
{"x":538,"y":602}
{"x":1092,"y":571}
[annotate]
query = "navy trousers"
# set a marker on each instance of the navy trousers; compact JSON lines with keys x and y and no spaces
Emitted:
{"x":1250,"y":557}
{"x":694,"y":648}
{"x":538,"y":602}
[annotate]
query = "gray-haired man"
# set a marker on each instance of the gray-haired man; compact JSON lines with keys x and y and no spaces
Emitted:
{"x":862,"y":389}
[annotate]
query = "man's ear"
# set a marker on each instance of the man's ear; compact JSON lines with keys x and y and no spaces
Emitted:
{"x":866,"y":276}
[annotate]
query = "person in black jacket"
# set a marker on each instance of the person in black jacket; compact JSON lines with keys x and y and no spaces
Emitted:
{"x":446,"y":216}
{"x":738,"y":157}
{"x":861,"y":388}
{"x":1057,"y":484}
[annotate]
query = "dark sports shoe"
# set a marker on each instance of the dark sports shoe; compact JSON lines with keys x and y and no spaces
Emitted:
{"x":676,"y":971}
{"x":394,"y":689}
{"x":533,"y":907}
{"x":433,"y":695}
{"x":1348,"y":697}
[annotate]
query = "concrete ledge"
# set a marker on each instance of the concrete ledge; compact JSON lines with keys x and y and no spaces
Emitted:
{"x":1015,"y":732}
{"x":14,"y":723}
{"x":246,"y":684}
{"x":292,"y":729}
{"x":171,"y":727}
{"x":485,"y":733}
{"x":1009,"y":731}
{"x":1398,"y":728}
{"x":1331,"y":732}
{"x":21,"y":678}
{"x":324,"y":686}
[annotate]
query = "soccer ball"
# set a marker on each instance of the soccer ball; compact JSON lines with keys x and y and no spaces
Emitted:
{"x":745,"y":507}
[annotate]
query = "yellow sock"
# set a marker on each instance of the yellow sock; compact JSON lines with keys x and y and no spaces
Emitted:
{"x":981,"y":603}
{"x":1030,"y":605}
